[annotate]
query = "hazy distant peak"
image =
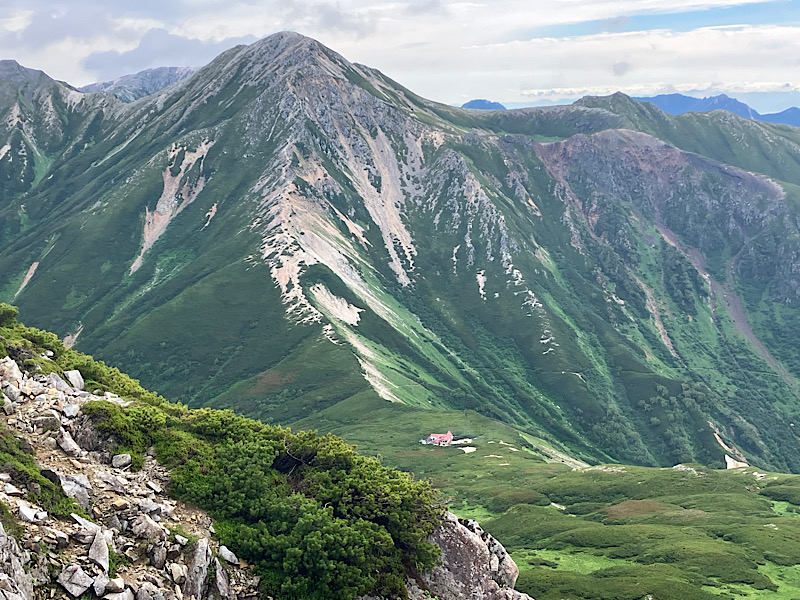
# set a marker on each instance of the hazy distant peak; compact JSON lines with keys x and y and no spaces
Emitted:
{"x":483,"y":104}
{"x":129,"y":88}
{"x":676,"y":104}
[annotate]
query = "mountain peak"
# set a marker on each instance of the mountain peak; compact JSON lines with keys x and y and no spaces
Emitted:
{"x":282,"y":41}
{"x":11,"y":70}
{"x":275,"y":57}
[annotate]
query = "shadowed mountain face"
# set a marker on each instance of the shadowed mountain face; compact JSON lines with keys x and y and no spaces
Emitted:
{"x":301,"y":238}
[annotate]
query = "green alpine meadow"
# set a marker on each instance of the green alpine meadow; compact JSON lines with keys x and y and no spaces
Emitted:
{"x":600,"y":301}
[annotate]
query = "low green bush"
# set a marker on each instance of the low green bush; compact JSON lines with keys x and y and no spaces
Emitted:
{"x":317,"y":520}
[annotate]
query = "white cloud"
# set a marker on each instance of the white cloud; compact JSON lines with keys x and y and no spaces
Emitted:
{"x":138,"y":25}
{"x":18,"y":21}
{"x":729,"y":58}
{"x":448,"y":50}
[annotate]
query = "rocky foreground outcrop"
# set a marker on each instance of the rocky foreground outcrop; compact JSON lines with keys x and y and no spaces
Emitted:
{"x":475,"y":566}
{"x":141,"y":545}
{"x":138,"y":545}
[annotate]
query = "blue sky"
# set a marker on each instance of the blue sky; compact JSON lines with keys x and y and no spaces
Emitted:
{"x":523,"y":51}
{"x":782,"y":12}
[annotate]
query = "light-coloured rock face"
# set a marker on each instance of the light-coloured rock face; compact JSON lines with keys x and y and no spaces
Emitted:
{"x":198,"y":563}
{"x":9,"y":371}
{"x":474,"y":566}
{"x":75,"y":580}
{"x":15,"y":583}
{"x":98,"y":552}
{"x":130,"y":88}
{"x":75,"y":379}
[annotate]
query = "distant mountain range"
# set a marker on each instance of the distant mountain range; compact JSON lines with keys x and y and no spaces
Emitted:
{"x":482,"y":104}
{"x":130,"y":88}
{"x":677,"y":104}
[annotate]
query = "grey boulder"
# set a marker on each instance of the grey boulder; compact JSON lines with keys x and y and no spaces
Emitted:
{"x":9,"y":371}
{"x":144,"y":527}
{"x":75,"y":580}
{"x":228,"y":555}
{"x":198,"y":563}
{"x":120,"y":461}
{"x":75,"y":379}
{"x":68,"y":444}
{"x":77,"y":487}
{"x":98,"y":552}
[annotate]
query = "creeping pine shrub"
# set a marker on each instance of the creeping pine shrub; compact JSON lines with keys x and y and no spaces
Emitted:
{"x":8,"y":314}
{"x":317,"y":520}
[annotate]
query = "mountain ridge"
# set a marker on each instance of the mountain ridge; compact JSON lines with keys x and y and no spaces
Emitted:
{"x":396,"y":250}
{"x":130,"y":88}
{"x":677,"y":104}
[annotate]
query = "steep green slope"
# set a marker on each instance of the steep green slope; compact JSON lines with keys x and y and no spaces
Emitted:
{"x":334,"y":240}
{"x":315,"y":518}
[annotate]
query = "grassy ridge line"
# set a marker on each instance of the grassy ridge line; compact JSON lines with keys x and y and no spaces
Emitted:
{"x":315,"y":518}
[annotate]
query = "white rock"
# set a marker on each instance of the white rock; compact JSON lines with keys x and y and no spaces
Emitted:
{"x":98,"y":552}
{"x":199,"y":563}
{"x":71,"y":410}
{"x":9,"y":371}
{"x":100,"y":584}
{"x":85,"y":523}
{"x":115,"y":586}
{"x":124,"y":595}
{"x":54,"y":381}
{"x":120,"y":461}
{"x":77,"y":486}
{"x":75,"y":379}
{"x":67,"y":444}
{"x":222,"y":584}
{"x":12,"y":490}
{"x":177,"y":572}
{"x":12,"y":559}
{"x":75,"y":580}
{"x":27,"y":513}
{"x":228,"y":555}
{"x":144,"y":527}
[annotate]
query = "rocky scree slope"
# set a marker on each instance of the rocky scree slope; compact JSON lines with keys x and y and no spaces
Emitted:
{"x":548,"y":268}
{"x":125,"y":546}
{"x":121,"y":536}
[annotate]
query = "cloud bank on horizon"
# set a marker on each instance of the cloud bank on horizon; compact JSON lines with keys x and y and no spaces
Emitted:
{"x":529,"y":51}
